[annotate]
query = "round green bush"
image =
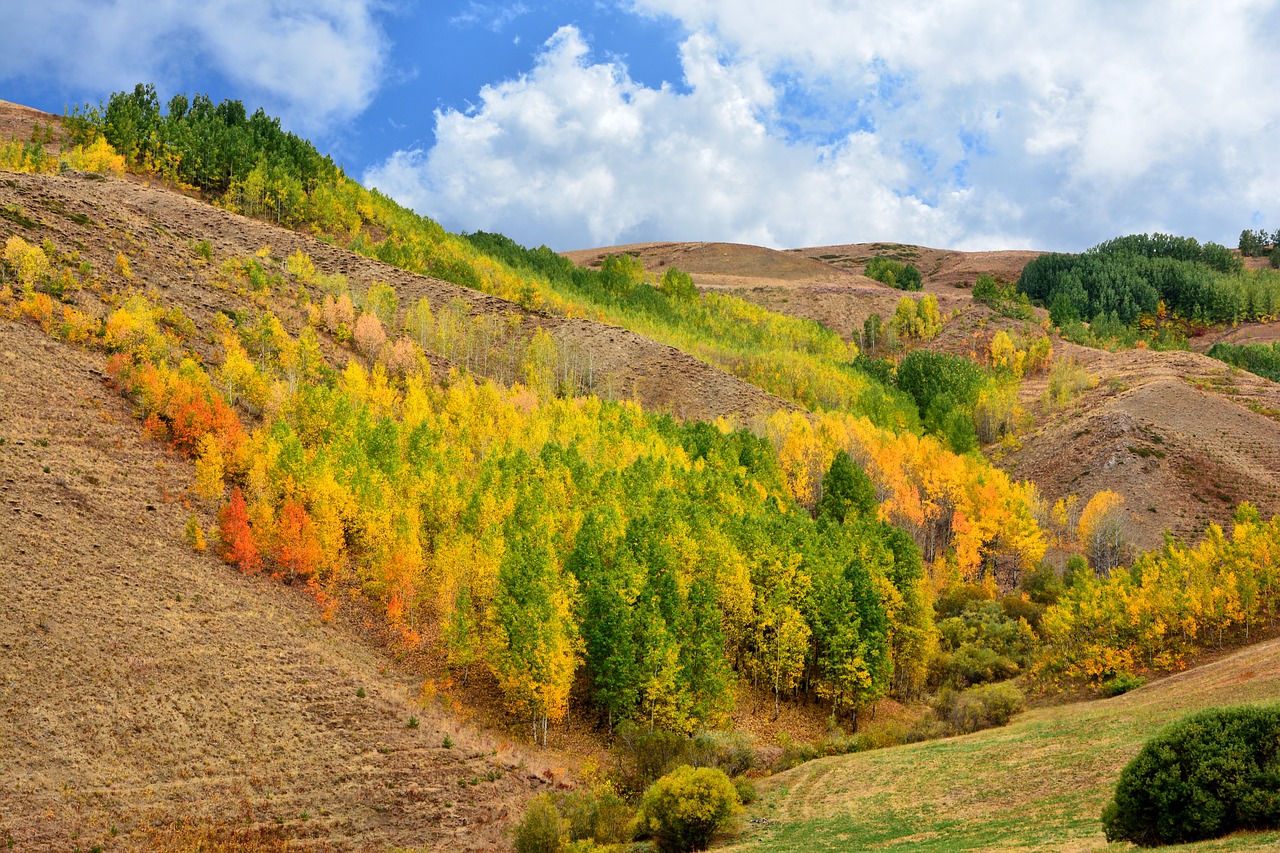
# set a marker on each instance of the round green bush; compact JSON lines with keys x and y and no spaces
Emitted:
{"x":685,"y":808}
{"x":1205,"y":776}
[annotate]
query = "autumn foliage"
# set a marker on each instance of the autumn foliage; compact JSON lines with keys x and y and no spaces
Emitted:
{"x":238,"y":545}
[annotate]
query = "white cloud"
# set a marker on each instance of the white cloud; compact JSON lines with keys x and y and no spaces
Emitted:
{"x":1054,"y":125}
{"x":576,"y":153}
{"x":315,"y":62}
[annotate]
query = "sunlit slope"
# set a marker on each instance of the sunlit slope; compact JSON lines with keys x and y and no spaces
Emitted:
{"x":144,"y":685}
{"x":1038,"y":784}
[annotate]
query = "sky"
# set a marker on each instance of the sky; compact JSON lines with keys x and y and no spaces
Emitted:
{"x":965,"y":124}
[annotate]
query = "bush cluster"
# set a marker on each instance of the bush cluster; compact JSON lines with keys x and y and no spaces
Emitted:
{"x":1205,"y":776}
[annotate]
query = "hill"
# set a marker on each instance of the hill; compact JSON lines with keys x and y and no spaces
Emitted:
{"x":229,"y":707}
{"x":1182,"y":437}
{"x":1040,"y":783}
{"x":149,"y":694}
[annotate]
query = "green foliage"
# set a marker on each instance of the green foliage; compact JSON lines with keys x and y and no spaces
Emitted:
{"x":1207,"y":775}
{"x":217,"y":148}
{"x":946,"y":389}
{"x":1262,"y":359}
{"x":846,"y":491}
{"x":542,"y":829}
{"x":1121,"y":684}
{"x":796,"y":359}
{"x":894,"y":273}
{"x":596,"y":815}
{"x":730,"y":751}
{"x":982,"y":707}
{"x":685,"y":808}
{"x":648,"y":754}
{"x":979,"y":641}
{"x":1042,"y":584}
{"x":1254,"y":244}
{"x":1004,"y":297}
{"x":678,"y":285}
{"x":1121,"y":287}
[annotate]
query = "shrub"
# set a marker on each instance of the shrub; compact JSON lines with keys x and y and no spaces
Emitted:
{"x":597,"y":814}
{"x":983,"y":707}
{"x":731,"y":752}
{"x":649,"y":753}
{"x":747,"y":793}
{"x":1122,"y":683}
{"x":685,"y":808}
{"x":1207,"y":775}
{"x":541,"y":830}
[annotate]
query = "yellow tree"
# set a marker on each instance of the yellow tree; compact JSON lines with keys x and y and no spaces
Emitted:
{"x":1102,"y":531}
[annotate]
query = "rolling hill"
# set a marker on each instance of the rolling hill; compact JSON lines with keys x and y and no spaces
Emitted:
{"x":153,"y":697}
{"x":1182,"y":437}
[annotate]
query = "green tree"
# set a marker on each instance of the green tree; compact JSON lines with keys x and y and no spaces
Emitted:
{"x":535,"y":637}
{"x":846,"y":491}
{"x":1205,"y":776}
{"x":605,"y":576}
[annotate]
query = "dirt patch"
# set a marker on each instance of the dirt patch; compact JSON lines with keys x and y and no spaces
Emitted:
{"x":17,"y":122}
{"x":1182,"y":437}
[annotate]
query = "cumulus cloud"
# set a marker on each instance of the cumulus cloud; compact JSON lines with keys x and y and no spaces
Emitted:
{"x":316,"y":62}
{"x":576,"y":153}
{"x":970,"y":123}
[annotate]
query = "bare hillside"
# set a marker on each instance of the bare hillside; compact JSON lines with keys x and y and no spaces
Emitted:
{"x":1182,"y":437}
{"x":157,"y":228}
{"x":823,"y":283}
{"x":143,"y":684}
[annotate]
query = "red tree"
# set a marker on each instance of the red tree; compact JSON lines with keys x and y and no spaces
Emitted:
{"x":238,"y":546}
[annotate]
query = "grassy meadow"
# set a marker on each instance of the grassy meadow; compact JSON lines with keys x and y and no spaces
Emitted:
{"x":1038,"y":784}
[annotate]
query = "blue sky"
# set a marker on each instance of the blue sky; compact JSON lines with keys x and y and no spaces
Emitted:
{"x":969,"y":124}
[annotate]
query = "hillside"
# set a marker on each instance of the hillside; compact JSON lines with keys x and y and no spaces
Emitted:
{"x":155,"y":695}
{"x":823,"y":283}
{"x":156,"y":228}
{"x":145,"y":688}
{"x":1040,"y":783}
{"x":1182,"y":437}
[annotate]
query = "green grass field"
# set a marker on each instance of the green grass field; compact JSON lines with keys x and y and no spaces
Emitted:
{"x":1038,"y":784}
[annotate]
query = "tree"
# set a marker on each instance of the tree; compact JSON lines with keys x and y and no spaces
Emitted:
{"x":678,"y":285}
{"x":369,"y":335}
{"x":297,"y":546}
{"x":535,"y":637}
{"x":1101,"y":530}
{"x":846,"y":491}
{"x":1252,"y":243}
{"x":607,"y":606}
{"x":685,"y":808}
{"x":238,"y":545}
{"x":1207,"y":775}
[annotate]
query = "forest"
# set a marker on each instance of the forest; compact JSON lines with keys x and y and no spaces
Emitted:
{"x":577,"y":548}
{"x":1150,"y":283}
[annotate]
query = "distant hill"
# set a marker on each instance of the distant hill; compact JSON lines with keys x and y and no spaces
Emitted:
{"x":1184,"y":438}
